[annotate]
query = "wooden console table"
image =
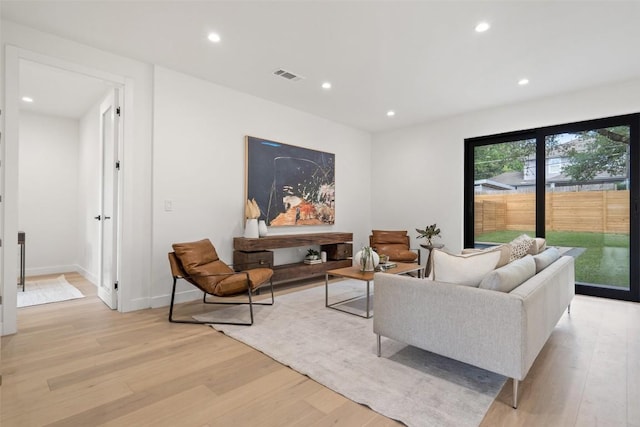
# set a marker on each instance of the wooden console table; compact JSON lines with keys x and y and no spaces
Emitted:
{"x":337,"y":245}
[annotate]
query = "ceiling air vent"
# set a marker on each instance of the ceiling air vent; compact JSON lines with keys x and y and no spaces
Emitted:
{"x":287,"y":75}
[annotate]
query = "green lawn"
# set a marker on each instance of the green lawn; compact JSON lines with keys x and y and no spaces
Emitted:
{"x":605,"y":260}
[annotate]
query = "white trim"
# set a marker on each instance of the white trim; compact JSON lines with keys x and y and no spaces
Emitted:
{"x":53,"y":269}
{"x":10,"y":192}
{"x":184,"y":296}
{"x":87,"y":275}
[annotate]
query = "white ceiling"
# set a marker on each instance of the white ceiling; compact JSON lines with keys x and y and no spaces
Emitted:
{"x":59,"y":92}
{"x":422,"y":59}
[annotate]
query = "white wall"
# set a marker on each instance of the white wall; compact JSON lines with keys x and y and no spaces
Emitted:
{"x":199,"y":155}
{"x":89,"y":194}
{"x":48,"y":192}
{"x":419,"y":179}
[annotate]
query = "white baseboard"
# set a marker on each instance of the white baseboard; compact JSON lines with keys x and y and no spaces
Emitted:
{"x":135,"y":304}
{"x":184,"y":296}
{"x":87,"y":275}
{"x":55,"y":269}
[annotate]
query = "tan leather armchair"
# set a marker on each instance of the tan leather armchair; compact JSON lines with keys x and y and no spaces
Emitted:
{"x":395,"y":244}
{"x":198,"y":263}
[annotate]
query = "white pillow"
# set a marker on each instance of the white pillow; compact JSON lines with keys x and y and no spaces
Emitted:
{"x":520,"y":246}
{"x":509,"y":277}
{"x":505,"y":252}
{"x":539,"y":245}
{"x":546,"y":258}
{"x":465,"y":270}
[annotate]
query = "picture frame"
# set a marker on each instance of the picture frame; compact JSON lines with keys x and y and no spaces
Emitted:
{"x":292,"y":185}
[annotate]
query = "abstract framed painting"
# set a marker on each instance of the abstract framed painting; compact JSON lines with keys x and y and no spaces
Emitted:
{"x":292,"y":185}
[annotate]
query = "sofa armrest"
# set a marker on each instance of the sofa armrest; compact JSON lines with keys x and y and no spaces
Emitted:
{"x":476,"y":326}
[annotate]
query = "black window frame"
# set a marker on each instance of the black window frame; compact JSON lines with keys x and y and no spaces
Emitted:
{"x":540,"y":134}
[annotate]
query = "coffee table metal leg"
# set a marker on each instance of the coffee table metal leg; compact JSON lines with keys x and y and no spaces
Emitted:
{"x":368,"y":299}
{"x":326,"y":289}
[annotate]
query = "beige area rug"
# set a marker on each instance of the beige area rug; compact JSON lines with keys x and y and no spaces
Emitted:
{"x":38,"y":292}
{"x":338,"y":350}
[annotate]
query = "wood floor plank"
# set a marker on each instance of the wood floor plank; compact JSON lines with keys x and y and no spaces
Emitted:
{"x":77,"y":363}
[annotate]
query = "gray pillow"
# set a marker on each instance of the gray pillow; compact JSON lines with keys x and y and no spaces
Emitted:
{"x":509,"y":277}
{"x":545,"y":258}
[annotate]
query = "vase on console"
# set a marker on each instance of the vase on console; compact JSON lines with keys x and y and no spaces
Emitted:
{"x":262,"y":228}
{"x":251,"y":229}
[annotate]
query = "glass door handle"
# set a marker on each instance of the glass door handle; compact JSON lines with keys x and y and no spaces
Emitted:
{"x":97,"y":217}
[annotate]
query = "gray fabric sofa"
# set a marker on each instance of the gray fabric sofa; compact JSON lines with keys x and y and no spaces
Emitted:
{"x":497,"y":331}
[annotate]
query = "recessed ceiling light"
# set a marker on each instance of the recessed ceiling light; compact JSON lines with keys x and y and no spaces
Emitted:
{"x":214,"y":37}
{"x":27,"y":99}
{"x":326,"y":85}
{"x":482,"y":27}
{"x":391,"y":113}
{"x":523,"y":82}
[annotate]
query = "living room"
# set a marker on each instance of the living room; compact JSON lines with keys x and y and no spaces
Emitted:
{"x":184,"y":143}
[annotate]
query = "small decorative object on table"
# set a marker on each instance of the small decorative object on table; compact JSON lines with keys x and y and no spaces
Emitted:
{"x":313,"y":257}
{"x":428,"y":233}
{"x":367,"y":259}
{"x":262,"y":228}
{"x":251,"y":213}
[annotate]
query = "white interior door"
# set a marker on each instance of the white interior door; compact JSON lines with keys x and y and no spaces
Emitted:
{"x":108,"y":215}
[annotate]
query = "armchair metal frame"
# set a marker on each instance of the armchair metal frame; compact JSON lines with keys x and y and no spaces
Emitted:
{"x":178,"y":273}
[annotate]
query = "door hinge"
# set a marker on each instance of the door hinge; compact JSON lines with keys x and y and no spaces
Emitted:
{"x":117,"y":164}
{"x":115,"y":286}
{"x":118,"y":111}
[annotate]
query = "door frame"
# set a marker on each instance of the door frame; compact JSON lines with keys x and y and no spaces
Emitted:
{"x":633,"y":121}
{"x":9,"y":170}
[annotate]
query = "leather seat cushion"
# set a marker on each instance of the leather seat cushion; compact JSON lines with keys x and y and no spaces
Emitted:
{"x":237,"y":283}
{"x":397,"y":252}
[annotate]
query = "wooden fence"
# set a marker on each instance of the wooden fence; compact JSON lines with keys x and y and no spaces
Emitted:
{"x":590,"y":211}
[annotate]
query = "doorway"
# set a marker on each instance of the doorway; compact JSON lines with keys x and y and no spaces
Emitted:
{"x":16,"y":60}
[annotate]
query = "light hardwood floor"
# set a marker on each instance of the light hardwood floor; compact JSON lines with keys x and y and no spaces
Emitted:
{"x":77,"y":363}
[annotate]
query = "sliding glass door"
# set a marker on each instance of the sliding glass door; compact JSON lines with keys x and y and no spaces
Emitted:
{"x":576,"y":185}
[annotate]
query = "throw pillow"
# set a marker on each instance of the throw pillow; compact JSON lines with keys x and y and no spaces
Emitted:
{"x":509,"y":277}
{"x":466,"y":270}
{"x":520,"y":246}
{"x":505,"y":253}
{"x":539,"y":245}
{"x":546,"y":258}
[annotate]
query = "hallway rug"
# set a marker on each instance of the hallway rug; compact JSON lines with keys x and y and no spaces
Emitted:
{"x":45,"y":291}
{"x":338,"y":350}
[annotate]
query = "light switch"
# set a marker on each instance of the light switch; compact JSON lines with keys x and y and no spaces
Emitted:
{"x":168,"y":205}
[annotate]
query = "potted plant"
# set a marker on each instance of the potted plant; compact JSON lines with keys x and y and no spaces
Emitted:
{"x":312,"y":254}
{"x":429,"y":233}
{"x":312,"y":257}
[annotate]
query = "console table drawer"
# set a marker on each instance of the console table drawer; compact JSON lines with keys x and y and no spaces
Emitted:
{"x":247,"y":260}
{"x":338,"y":251}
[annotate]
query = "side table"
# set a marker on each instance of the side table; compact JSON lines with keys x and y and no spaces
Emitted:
{"x":430,"y":248}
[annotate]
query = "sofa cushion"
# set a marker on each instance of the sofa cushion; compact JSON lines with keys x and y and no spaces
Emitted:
{"x":468,"y":269}
{"x":509,"y":277}
{"x":505,"y":253}
{"x":520,"y":246}
{"x":546,"y":258}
